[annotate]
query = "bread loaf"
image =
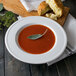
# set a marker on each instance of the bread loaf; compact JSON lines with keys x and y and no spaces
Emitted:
{"x":43,"y":8}
{"x":56,"y":6}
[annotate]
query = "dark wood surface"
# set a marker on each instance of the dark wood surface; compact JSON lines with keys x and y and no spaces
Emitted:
{"x":9,"y":66}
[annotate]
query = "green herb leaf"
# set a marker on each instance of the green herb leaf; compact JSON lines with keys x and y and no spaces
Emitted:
{"x":7,"y":19}
{"x":1,"y":6}
{"x":36,"y":36}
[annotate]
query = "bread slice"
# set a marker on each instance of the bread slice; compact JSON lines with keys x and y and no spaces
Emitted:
{"x":56,"y":6}
{"x":51,"y":15}
{"x":16,"y":7}
{"x":43,"y":8}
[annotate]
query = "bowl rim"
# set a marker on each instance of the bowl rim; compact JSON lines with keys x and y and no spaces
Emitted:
{"x":34,"y":62}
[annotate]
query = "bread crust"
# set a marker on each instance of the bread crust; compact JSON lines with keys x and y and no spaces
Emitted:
{"x":56,"y":6}
{"x":43,"y":8}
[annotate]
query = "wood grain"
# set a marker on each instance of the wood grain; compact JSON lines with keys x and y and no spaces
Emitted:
{"x":1,"y":1}
{"x":62,"y":69}
{"x":1,"y":54}
{"x":15,"y":67}
{"x":35,"y":70}
{"x":49,"y":70}
{"x":16,"y":7}
{"x":1,"y":67}
{"x":1,"y":44}
{"x":71,"y":64}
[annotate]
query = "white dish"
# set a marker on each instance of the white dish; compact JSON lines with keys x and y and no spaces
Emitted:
{"x":12,"y":44}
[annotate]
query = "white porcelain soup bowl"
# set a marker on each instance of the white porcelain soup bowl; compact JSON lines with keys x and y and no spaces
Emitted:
{"x":14,"y":49}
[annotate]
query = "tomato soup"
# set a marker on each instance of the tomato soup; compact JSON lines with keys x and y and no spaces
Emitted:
{"x":38,"y":46}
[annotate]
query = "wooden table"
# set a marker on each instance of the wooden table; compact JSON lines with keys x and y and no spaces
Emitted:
{"x":9,"y":66}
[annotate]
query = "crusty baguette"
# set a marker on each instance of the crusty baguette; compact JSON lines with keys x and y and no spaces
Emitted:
{"x":56,"y":6}
{"x":43,"y":8}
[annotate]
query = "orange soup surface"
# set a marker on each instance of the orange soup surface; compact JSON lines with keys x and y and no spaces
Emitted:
{"x":38,"y":46}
